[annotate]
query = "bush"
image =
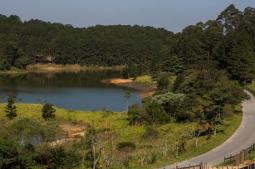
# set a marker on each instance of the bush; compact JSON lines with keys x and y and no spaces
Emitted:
{"x":156,"y":114}
{"x":136,"y":115}
{"x":150,"y":133}
{"x":132,"y":70}
{"x":11,"y":156}
{"x":48,"y":111}
{"x":11,"y":108}
{"x":163,"y":81}
{"x":146,"y":79}
{"x":151,"y":113}
{"x":126,"y":147}
{"x":57,"y":157}
{"x":29,"y":131}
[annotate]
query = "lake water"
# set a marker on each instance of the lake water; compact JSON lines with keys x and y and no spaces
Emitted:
{"x":73,"y":91}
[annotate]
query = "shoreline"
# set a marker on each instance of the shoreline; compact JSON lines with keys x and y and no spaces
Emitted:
{"x":143,"y":89}
{"x":59,"y":68}
{"x":69,"y":68}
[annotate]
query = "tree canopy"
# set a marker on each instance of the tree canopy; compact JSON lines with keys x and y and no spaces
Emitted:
{"x":227,"y":42}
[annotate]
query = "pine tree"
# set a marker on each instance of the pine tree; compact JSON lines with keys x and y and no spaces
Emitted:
{"x":11,"y":108}
{"x":48,"y":111}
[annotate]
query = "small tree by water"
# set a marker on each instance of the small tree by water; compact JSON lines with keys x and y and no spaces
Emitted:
{"x":11,"y":111}
{"x":48,"y":111}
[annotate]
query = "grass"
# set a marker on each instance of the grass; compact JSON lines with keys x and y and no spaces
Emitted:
{"x":146,"y":79}
{"x":251,"y":87}
{"x":252,"y":156}
{"x":230,"y":126}
{"x":118,"y":122}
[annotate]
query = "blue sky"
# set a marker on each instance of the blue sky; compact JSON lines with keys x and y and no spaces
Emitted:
{"x":173,"y":15}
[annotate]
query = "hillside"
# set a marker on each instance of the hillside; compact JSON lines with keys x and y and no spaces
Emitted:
{"x":227,"y":43}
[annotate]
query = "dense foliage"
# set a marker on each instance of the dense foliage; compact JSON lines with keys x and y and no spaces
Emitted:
{"x":48,"y":111}
{"x":228,"y":42}
{"x":11,"y":108}
{"x":205,"y":94}
{"x":210,"y":60}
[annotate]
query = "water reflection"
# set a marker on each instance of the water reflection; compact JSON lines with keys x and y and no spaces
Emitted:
{"x":82,"y":91}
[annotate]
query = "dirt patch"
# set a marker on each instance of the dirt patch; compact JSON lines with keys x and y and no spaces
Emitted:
{"x":73,"y":130}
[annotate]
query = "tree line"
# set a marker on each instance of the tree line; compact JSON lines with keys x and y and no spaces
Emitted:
{"x":227,"y":42}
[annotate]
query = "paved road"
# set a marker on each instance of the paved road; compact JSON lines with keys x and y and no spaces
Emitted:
{"x":242,"y":138}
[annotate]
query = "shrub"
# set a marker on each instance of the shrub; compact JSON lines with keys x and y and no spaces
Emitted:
{"x":11,"y":156}
{"x":150,"y":133}
{"x":48,"y":111}
{"x":155,"y":113}
{"x":146,"y":79}
{"x":126,"y":147}
{"x":57,"y":157}
{"x":29,"y":131}
{"x":136,"y":115}
{"x":163,"y":81}
{"x":11,"y":108}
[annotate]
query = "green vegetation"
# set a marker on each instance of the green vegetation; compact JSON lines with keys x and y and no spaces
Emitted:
{"x":252,"y":155}
{"x":111,"y":132}
{"x":198,"y":95}
{"x":146,"y":80}
{"x":227,"y":43}
{"x":48,"y":111}
{"x":251,"y":87}
{"x":11,"y":108}
{"x":198,"y":73}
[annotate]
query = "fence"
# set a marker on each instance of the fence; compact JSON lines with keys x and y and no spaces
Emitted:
{"x":240,"y":157}
{"x":205,"y":166}
{"x":238,"y":160}
{"x":198,"y":166}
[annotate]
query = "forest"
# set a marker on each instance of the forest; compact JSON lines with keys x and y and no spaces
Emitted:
{"x":225,"y":43}
{"x":199,"y":74}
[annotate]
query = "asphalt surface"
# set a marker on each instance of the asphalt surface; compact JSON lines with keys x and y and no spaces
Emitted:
{"x":241,"y":139}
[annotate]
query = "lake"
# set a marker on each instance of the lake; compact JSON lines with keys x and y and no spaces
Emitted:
{"x":73,"y":91}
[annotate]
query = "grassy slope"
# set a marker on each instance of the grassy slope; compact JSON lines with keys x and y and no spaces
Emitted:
{"x":230,"y":126}
{"x":118,"y":123}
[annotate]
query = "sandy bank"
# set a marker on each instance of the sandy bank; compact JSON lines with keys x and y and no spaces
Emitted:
{"x":56,"y":68}
{"x":144,"y":90}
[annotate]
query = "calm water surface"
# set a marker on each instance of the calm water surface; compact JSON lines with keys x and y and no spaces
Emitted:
{"x":82,"y":91}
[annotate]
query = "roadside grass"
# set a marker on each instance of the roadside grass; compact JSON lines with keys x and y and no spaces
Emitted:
{"x":252,"y":156}
{"x":117,"y":121}
{"x":251,"y":87}
{"x":230,"y":125}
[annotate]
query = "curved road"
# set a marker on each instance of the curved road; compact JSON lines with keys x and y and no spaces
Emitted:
{"x":241,"y":139}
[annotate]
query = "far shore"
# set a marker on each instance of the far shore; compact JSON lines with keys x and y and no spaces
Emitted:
{"x":144,"y":90}
{"x":58,"y":68}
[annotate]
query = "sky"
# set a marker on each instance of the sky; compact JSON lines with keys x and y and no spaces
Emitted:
{"x":173,"y":15}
